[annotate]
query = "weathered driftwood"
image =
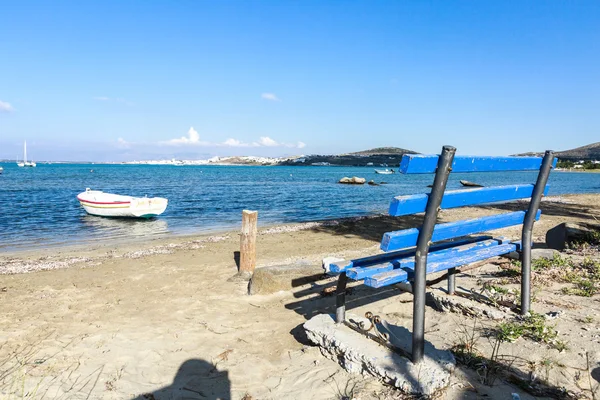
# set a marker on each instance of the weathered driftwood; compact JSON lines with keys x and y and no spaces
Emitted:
{"x":561,"y":235}
{"x":248,"y":242}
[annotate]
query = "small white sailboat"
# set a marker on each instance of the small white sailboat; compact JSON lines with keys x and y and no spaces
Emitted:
{"x":1,"y":170}
{"x":384,"y":171}
{"x":25,"y":163}
{"x":96,"y":202}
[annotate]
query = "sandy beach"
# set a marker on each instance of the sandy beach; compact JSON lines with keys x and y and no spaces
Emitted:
{"x":165,"y":319}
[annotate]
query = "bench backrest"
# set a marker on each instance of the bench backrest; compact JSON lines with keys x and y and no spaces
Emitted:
{"x":412,"y":204}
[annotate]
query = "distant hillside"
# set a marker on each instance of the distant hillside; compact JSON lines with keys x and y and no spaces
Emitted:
{"x":375,"y":157}
{"x":382,"y":151}
{"x":589,"y":152}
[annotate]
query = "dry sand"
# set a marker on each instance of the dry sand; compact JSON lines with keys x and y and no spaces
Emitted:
{"x":164,"y":320}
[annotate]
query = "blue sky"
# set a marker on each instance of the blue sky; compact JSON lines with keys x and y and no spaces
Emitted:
{"x":112,"y":80}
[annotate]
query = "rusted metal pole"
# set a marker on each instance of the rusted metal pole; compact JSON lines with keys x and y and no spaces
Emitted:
{"x":431,"y":211}
{"x":526,"y":237}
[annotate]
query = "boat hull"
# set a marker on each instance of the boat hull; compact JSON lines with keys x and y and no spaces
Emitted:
{"x":107,"y":205}
{"x":470,"y":184}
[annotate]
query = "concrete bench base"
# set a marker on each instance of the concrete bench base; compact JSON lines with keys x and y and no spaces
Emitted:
{"x":470,"y":307}
{"x":360,"y":355}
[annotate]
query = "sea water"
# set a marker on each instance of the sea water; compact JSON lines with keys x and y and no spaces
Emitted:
{"x":39,"y":208}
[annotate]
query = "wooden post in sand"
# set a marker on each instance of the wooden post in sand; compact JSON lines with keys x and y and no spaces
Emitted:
{"x":248,"y":242}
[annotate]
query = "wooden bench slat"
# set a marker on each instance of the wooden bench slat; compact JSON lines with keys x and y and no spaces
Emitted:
{"x":465,"y":258}
{"x":408,"y":237}
{"x":342,"y":266}
{"x":409,"y":262}
{"x":358,"y":273}
{"x":427,"y":164}
{"x":407,"y":205}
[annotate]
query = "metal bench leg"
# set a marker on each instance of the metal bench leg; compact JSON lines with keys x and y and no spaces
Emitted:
{"x":534,"y":205}
{"x":423,"y":242}
{"x":340,"y":298}
{"x":451,"y":280}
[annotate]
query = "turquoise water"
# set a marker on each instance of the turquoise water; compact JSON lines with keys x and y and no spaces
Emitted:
{"x":39,"y":206}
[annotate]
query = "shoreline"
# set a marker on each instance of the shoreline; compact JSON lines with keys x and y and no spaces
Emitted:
{"x":60,"y":256}
{"x":127,"y":242}
{"x":593,"y":171}
{"x":66,"y":255}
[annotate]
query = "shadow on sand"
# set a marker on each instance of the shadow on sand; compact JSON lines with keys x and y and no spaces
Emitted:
{"x":319,"y":297}
{"x":195,"y":379}
{"x":373,"y":228}
{"x":555,"y":209}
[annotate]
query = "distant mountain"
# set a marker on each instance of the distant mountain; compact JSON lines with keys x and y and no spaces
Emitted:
{"x":588,"y":152}
{"x":381,"y":156}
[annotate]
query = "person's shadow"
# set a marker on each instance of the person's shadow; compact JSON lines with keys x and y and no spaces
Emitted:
{"x":195,"y":379}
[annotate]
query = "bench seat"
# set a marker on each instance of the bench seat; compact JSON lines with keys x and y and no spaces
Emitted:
{"x":457,"y":258}
{"x":384,"y":270}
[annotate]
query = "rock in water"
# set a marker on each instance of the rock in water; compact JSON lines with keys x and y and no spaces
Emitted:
{"x":373,"y":183}
{"x":353,"y":181}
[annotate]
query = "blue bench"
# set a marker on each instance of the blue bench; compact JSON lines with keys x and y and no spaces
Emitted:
{"x":411,"y":254}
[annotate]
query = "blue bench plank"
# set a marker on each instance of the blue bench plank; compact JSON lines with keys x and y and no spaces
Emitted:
{"x":387,"y":257}
{"x":386,"y":278}
{"x":427,"y":164}
{"x":408,"y":237}
{"x":409,"y":262}
{"x":407,"y":205}
{"x":358,"y":273}
{"x":466,"y":257}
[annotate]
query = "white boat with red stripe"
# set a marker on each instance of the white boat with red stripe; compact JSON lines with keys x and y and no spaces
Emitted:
{"x":96,"y":202}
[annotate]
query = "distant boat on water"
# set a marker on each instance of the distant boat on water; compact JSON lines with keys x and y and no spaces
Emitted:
{"x":470,"y":184}
{"x":96,"y":202}
{"x":1,"y":170}
{"x":384,"y":171}
{"x":25,"y":163}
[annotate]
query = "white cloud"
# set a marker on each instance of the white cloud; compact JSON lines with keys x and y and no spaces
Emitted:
{"x":193,"y":138}
{"x":123,"y":144}
{"x":270,"y":97}
{"x":234,"y":143}
{"x":6,"y":107}
{"x":267,"y":141}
